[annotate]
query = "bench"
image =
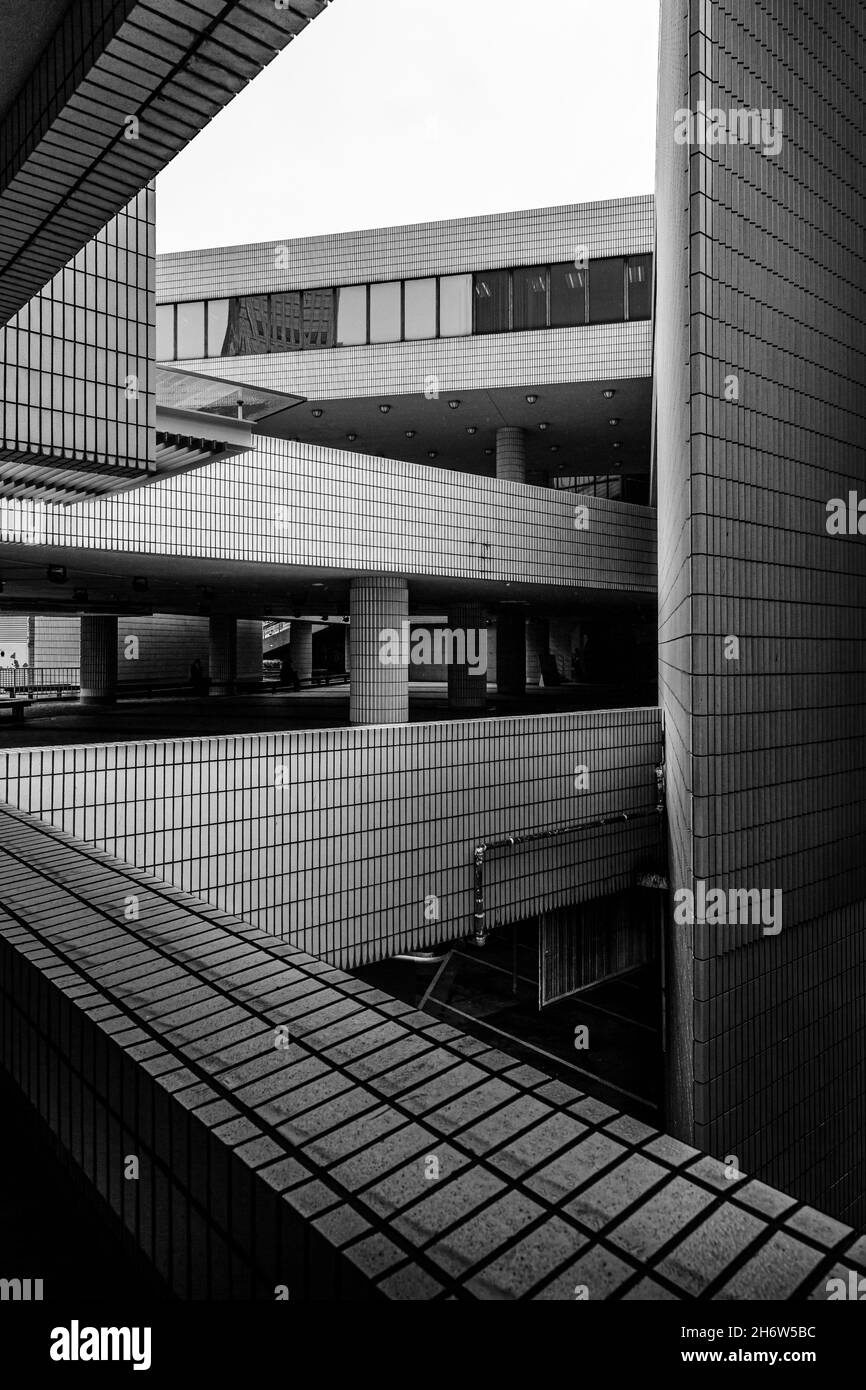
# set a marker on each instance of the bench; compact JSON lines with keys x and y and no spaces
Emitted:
{"x":17,"y":705}
{"x":319,"y":676}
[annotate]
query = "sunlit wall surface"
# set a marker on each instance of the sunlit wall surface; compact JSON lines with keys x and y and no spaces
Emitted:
{"x":761,"y":391}
{"x":356,"y":843}
{"x":303,"y":505}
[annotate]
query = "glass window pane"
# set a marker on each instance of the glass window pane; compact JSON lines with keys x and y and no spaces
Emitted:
{"x":318,"y":320}
{"x":248,"y":330}
{"x":217,"y":326}
{"x":164,"y":332}
{"x":190,"y":329}
{"x":385,"y":312}
{"x":606,"y":291}
{"x":285,"y":322}
{"x":530,"y":296}
{"x":420,"y":308}
{"x":491,"y":302}
{"x":640,"y":275}
{"x":352,"y":315}
{"x":455,"y":305}
{"x":567,"y":296}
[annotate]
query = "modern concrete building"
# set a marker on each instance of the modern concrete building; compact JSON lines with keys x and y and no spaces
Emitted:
{"x":529,"y":431}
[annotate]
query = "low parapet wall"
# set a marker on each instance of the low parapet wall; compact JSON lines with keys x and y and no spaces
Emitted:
{"x":265,"y":1125}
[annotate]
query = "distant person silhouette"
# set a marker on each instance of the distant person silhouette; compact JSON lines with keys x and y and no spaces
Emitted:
{"x":288,"y":674}
{"x":197,"y":678}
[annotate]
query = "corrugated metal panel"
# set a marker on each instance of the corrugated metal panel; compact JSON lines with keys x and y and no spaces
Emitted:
{"x":581,"y":945}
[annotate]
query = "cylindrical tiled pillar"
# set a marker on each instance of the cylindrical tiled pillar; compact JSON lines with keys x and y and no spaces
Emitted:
{"x":223,"y":659}
{"x":379,"y":672}
{"x":98,"y":660}
{"x":467,"y":680}
{"x":511,"y":455}
{"x":511,"y":652}
{"x":301,"y":650}
{"x":536,"y":649}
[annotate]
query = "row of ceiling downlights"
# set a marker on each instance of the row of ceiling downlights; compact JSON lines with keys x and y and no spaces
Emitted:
{"x":455,"y":403}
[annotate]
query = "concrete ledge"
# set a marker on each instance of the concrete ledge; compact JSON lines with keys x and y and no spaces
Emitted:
{"x":294,"y":1127}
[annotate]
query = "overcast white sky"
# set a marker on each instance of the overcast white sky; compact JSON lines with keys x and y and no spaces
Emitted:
{"x":391,"y":111}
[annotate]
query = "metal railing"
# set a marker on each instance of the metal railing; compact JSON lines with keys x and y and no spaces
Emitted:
{"x":31,"y":680}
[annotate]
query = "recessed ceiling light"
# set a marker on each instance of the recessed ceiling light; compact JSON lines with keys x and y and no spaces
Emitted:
{"x":617,"y":445}
{"x":384,"y":407}
{"x":614,"y":421}
{"x":543,"y":425}
{"x":317,"y":412}
{"x":530,"y":400}
{"x":554,"y":448}
{"x":432,"y":453}
{"x":471,"y":429}
{"x":410,"y":434}
{"x":609,"y":394}
{"x":488,"y":451}
{"x":453,"y":404}
{"x":351,"y":437}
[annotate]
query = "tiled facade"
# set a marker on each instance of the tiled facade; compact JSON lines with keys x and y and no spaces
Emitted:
{"x":302,"y":505}
{"x":760,"y":278}
{"x":78,"y":405}
{"x":118,"y":90}
{"x":550,"y":356}
{"x":583,"y":232}
{"x":615,"y":227}
{"x":338,"y":840}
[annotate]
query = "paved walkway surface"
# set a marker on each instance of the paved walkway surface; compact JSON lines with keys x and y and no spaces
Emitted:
{"x":292,"y":1120}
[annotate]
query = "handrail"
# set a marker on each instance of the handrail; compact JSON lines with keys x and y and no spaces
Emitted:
{"x":481,"y":931}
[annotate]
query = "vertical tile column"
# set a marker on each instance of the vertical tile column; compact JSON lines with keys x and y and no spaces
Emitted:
{"x":511,"y":652}
{"x":465,"y":690}
{"x":511,"y":455}
{"x":223,"y":661}
{"x":301,"y":650}
{"x":98,"y":660}
{"x":378,"y":691}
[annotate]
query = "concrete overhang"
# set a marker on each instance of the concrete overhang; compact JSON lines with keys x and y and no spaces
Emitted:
{"x":182,"y":584}
{"x":96,"y":100}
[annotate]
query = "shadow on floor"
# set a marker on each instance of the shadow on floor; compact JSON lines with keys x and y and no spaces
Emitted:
{"x":474,"y":990}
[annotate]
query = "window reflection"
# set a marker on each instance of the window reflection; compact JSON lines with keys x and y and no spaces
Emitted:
{"x":217,"y":326}
{"x":491,"y":302}
{"x":318,"y":319}
{"x":285,"y":322}
{"x":248,"y":327}
{"x":494,"y":301}
{"x":567,"y":296}
{"x":639,"y":287}
{"x":529,"y":289}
